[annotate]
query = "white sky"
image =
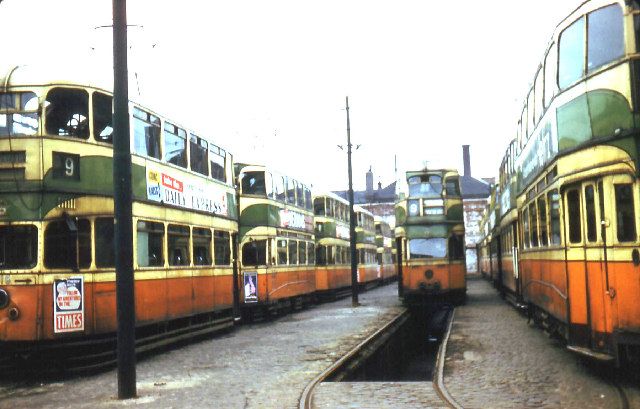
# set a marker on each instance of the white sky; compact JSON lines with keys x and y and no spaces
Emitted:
{"x":268,"y":79}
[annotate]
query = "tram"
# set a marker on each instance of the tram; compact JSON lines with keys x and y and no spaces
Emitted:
{"x":430,"y":225}
{"x":384,"y":252}
{"x":276,"y":240}
{"x":333,"y":255}
{"x":576,"y":165}
{"x":57,"y":275}
{"x":369,"y":274}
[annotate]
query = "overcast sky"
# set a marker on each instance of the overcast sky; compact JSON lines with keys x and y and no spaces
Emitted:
{"x":268,"y":79}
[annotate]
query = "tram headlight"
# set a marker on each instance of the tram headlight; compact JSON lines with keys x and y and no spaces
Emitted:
{"x":4,"y":298}
{"x":414,"y":207}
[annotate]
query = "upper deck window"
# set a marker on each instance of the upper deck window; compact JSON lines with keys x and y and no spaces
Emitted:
{"x":102,"y":117}
{"x":425,"y":186}
{"x":67,"y":112}
{"x":300,"y":195}
{"x":146,"y":133}
{"x":571,"y":54}
{"x":318,"y":206}
{"x":452,"y":186}
{"x":605,"y":36}
{"x":253,"y":183}
{"x":175,"y":145}
{"x":18,"y":113}
{"x":198,"y":149}
{"x":217,"y":161}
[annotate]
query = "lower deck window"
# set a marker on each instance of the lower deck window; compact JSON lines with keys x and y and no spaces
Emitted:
{"x":67,"y":244}
{"x":18,"y":247}
{"x":254,"y":253}
{"x":428,"y":248}
{"x":150,"y":239}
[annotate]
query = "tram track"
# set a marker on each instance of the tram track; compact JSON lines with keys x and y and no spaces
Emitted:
{"x":359,"y":352}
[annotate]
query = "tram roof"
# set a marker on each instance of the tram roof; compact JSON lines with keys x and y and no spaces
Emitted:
{"x":332,"y":196}
{"x":82,"y":75}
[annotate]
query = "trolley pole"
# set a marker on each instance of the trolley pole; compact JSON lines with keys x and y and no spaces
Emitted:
{"x":352,"y":221}
{"x":123,"y":212}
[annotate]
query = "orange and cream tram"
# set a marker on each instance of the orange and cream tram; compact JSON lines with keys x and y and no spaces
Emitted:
{"x":384,"y":253}
{"x":429,"y":221}
{"x":57,"y":275}
{"x":276,"y":240}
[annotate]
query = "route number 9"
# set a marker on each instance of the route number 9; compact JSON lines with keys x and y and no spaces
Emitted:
{"x":66,"y":166}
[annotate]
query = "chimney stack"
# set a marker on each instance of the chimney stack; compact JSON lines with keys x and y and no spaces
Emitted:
{"x":466,"y":160}
{"x":369,"y":182}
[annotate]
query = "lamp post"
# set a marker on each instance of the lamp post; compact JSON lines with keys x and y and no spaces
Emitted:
{"x":122,"y":192}
{"x":352,"y":220}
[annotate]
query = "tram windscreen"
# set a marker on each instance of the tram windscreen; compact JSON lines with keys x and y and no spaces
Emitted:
{"x":425,"y":186}
{"x":428,"y":248}
{"x":253,"y":183}
{"x":18,"y":113}
{"x":18,"y":247}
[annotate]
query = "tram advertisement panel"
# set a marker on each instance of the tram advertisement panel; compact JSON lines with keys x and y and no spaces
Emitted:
{"x":185,"y":191}
{"x":68,"y":304}
{"x":251,"y":286}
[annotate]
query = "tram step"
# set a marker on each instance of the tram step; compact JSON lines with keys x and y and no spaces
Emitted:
{"x":600,"y":356}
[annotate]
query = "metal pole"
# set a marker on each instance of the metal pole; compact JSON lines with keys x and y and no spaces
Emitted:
{"x":352,"y":221}
{"x":122,"y":191}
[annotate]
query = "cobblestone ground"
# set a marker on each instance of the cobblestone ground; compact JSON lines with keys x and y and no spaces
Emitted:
{"x":263,"y":365}
{"x":376,"y":395}
{"x":496,"y":360}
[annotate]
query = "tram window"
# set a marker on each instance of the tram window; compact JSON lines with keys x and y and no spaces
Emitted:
{"x":571,"y":54}
{"x":452,"y":187}
{"x":254,"y":253}
{"x":361,"y":257}
{"x":300,"y":195}
{"x":379,"y":229}
{"x":201,"y":247}
{"x":550,"y":65}
{"x":530,"y":113}
{"x":425,"y":186}
{"x":338,"y":254}
{"x":221,"y":248}
{"x":318,"y":206}
{"x":105,"y":244}
{"x":538,"y":94}
{"x":216,"y":159}
{"x":428,"y":248}
{"x":279,"y":187}
{"x":293,"y":252}
{"x":282,"y":252}
{"x":67,"y":112}
{"x":20,"y":113}
{"x":307,"y":199}
{"x":331,"y":255}
{"x":573,"y":210}
{"x":291,"y":191}
{"x":178,"y":245}
{"x":525,"y":228}
{"x":146,"y":134}
{"x":150,"y":244}
{"x":321,"y":255}
{"x":198,"y":148}
{"x":456,"y":247}
{"x":302,"y":252}
{"x":253,"y":183}
{"x":330,"y":207}
{"x":554,"y":215}
{"x":605,"y":36}
{"x":590,"y":208}
{"x":18,"y":246}
{"x":311,"y":254}
{"x":63,"y":239}
{"x":175,"y":145}
{"x":542,"y":209}
{"x":533,"y":219}
{"x":625,"y":213}
{"x":102,"y":117}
